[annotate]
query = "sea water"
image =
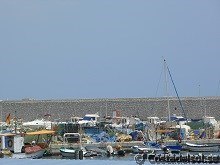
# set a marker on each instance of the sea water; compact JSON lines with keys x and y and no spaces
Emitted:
{"x":76,"y":162}
{"x":63,"y":162}
{"x":128,"y":159}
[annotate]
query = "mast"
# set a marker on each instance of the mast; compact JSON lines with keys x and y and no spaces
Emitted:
{"x":166,"y":88}
{"x":15,"y":122}
{"x":106,"y":109}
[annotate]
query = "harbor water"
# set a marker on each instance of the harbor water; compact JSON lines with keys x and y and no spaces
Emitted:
{"x":75,"y":162}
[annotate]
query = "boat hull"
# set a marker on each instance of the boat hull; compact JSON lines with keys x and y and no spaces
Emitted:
{"x":34,"y":155}
{"x":68,"y":152}
{"x":202,"y":148}
{"x":140,"y":150}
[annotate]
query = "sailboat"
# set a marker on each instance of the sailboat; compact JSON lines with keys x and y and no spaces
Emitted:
{"x":171,"y":147}
{"x":13,"y":145}
{"x":166,"y":73}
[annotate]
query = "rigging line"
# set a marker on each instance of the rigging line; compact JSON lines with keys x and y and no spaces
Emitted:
{"x":176,"y":92}
{"x":158,"y":84}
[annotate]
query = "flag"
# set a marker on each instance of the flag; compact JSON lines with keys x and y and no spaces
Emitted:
{"x":8,"y":119}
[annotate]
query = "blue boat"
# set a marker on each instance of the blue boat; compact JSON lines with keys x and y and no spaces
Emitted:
{"x":174,"y":148}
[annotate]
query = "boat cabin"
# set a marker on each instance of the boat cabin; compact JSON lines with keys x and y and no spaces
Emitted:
{"x":89,"y":119}
{"x":12,"y":142}
{"x":154,"y":120}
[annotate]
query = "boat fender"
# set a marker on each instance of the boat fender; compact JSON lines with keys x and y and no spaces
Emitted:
{"x":10,"y":143}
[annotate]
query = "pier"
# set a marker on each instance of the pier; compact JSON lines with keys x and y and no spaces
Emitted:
{"x":54,"y":147}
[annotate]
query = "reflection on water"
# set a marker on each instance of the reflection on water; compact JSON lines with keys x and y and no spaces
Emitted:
{"x":128,"y":156}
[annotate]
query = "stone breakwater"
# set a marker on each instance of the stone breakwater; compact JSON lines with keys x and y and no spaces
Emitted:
{"x":62,"y":110}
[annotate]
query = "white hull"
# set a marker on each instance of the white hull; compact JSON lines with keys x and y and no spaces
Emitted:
{"x":68,"y":152}
{"x":71,"y":152}
{"x":136,"y":149}
{"x":202,"y":148}
{"x":38,"y":124}
{"x":35,"y":155}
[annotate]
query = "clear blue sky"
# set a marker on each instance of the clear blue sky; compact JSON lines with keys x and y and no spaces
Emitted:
{"x":70,"y":49}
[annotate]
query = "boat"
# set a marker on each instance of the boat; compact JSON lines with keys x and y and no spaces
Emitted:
{"x":173,"y":148}
{"x":68,"y":152}
{"x":143,"y":149}
{"x":32,"y":152}
{"x":165,"y":148}
{"x":96,"y":150}
{"x":69,"y":149}
{"x":38,"y":123}
{"x":202,"y":147}
{"x":13,"y":146}
{"x":89,"y":120}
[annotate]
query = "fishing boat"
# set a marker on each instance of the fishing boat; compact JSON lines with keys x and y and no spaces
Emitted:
{"x":72,"y":145}
{"x":32,"y":152}
{"x":13,"y":146}
{"x":202,"y":147}
{"x":68,"y":152}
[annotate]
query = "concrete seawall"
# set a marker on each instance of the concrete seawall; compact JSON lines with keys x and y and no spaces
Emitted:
{"x":27,"y":109}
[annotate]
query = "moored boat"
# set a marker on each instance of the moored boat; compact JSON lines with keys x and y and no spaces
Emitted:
{"x":202,"y":147}
{"x":67,"y":150}
{"x":143,"y":149}
{"x":13,"y":146}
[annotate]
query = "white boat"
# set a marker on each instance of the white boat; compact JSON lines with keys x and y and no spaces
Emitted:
{"x":36,"y":153}
{"x":202,"y":147}
{"x":143,"y":149}
{"x":68,"y":152}
{"x":89,"y":120}
{"x":12,"y":145}
{"x":68,"y":139}
{"x":38,"y":123}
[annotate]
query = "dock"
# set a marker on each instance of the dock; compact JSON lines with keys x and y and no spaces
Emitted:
{"x":54,"y":147}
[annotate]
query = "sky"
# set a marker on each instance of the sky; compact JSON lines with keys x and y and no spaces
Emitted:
{"x":85,"y":49}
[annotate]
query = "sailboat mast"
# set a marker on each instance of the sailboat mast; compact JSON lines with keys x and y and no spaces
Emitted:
{"x":166,"y":87}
